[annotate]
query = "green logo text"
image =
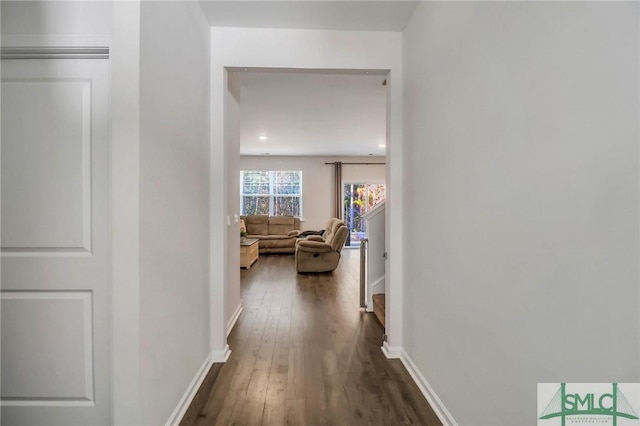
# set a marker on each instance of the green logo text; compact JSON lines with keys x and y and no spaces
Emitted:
{"x":565,"y":404}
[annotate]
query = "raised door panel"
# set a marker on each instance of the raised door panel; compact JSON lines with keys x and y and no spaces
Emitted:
{"x":31,"y":371}
{"x":46,"y":206}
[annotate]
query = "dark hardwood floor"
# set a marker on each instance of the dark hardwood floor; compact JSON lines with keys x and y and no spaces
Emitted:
{"x":304,"y":354}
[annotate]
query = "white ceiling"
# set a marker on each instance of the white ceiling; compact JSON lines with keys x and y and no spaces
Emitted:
{"x":312,"y":114}
{"x":309,"y":14}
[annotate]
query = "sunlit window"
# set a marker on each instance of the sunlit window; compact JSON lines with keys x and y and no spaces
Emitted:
{"x":271,"y":192}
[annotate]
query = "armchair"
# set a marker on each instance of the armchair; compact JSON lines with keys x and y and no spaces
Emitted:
{"x":322,"y":254}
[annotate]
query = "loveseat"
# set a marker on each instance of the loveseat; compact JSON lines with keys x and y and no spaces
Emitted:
{"x":276,"y":234}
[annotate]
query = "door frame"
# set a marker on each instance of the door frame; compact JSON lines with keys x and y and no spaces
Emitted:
{"x":239,"y":49}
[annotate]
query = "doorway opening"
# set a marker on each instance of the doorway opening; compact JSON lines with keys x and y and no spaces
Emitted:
{"x":265,"y":107}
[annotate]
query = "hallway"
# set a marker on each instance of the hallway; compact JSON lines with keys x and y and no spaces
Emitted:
{"x":303,"y":353}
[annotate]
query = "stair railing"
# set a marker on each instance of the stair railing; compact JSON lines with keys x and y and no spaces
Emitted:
{"x":363,"y":272}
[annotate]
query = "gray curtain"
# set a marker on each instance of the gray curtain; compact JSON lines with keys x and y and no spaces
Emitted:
{"x":338,"y":190}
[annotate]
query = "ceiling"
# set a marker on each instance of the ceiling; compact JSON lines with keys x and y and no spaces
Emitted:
{"x":311,"y":113}
{"x":304,"y":113}
{"x":309,"y":14}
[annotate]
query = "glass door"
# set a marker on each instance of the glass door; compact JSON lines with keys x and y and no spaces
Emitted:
{"x":359,"y":198}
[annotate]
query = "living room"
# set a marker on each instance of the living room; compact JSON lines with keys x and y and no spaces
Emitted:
{"x":307,"y":121}
{"x":320,"y":136}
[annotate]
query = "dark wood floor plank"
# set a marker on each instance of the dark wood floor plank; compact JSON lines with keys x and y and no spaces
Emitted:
{"x":294,"y":414}
{"x":295,"y":369}
{"x":303,"y":353}
{"x":275,"y":401}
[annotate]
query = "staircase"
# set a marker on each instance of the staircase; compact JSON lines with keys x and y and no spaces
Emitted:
{"x":378,"y":307}
{"x":373,"y":263}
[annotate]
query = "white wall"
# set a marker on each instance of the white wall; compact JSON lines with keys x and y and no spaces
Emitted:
{"x":232,"y":154}
{"x":310,"y":49}
{"x":57,"y":18}
{"x":521,"y":130}
{"x":318,"y":180}
{"x":174,"y":203}
{"x":125,"y":209}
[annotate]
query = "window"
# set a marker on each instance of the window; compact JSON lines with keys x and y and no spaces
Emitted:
{"x":272,"y":192}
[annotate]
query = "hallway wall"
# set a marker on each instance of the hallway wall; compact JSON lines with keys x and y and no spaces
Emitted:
{"x":174,"y":203}
{"x":57,"y":18}
{"x":521,"y":131}
{"x":233,"y":299}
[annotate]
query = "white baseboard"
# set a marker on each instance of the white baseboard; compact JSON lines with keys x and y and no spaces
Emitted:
{"x":178,"y":413}
{"x":221,"y":356}
{"x":391,"y":352}
{"x":234,"y":318}
{"x":438,"y":407}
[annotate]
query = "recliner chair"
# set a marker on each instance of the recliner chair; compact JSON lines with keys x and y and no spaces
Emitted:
{"x":322,"y":254}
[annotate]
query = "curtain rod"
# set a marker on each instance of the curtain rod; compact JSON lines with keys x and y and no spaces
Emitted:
{"x":349,"y":164}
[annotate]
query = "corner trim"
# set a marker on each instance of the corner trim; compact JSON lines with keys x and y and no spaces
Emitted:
{"x":436,"y":403}
{"x":234,"y":319}
{"x":221,"y":356}
{"x":178,"y":413}
{"x":391,"y":352}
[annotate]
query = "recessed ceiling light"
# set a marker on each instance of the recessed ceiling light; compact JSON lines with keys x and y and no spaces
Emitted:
{"x":263,"y":137}
{"x":381,"y":145}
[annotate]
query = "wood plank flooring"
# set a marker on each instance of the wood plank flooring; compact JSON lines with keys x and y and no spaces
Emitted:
{"x":304,"y":354}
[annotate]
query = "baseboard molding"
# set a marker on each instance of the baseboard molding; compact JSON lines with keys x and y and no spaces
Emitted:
{"x":221,"y":356}
{"x":391,"y":352}
{"x":234,"y":319}
{"x":190,"y":393}
{"x":436,"y":403}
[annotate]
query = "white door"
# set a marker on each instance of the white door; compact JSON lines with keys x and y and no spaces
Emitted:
{"x":55,"y":310}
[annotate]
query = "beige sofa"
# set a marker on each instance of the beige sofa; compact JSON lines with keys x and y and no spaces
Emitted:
{"x":276,"y":234}
{"x":322,"y":254}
